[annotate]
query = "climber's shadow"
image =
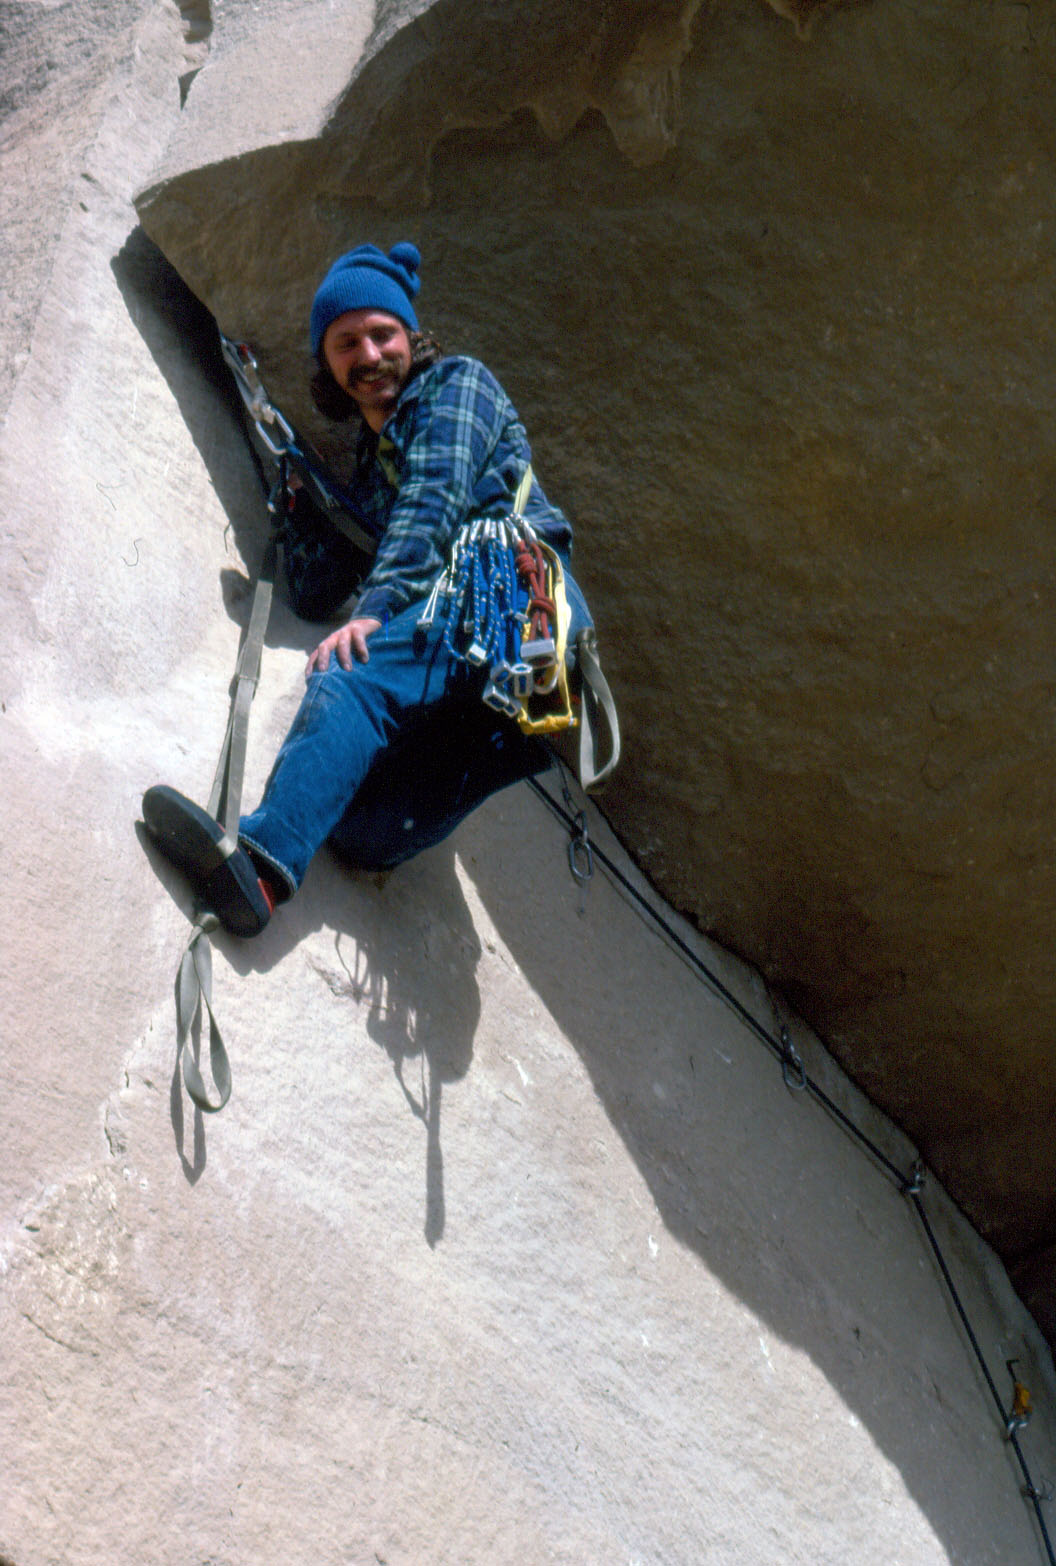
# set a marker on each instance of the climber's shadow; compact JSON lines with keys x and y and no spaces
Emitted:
{"x":412,"y":965}
{"x":404,"y":956}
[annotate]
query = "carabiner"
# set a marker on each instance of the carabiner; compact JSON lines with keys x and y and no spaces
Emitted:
{"x":580,"y":853}
{"x":792,"y":1067}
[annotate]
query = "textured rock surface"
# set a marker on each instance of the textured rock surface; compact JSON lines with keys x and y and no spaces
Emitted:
{"x":778,"y":315}
{"x":512,"y":1245}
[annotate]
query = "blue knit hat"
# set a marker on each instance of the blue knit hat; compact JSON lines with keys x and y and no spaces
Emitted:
{"x":368,"y":279}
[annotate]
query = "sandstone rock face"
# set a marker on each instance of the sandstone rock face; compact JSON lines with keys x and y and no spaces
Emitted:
{"x":512,"y":1245}
{"x":777,"y":314}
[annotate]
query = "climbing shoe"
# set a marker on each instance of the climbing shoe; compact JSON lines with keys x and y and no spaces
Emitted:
{"x":222,"y":873}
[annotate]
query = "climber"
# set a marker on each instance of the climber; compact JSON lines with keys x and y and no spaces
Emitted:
{"x":392,"y":744}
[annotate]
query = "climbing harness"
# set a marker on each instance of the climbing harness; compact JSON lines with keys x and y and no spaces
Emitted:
{"x":911,"y":1186}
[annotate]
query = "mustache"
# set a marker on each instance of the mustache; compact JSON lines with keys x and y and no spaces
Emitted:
{"x":383,"y":367}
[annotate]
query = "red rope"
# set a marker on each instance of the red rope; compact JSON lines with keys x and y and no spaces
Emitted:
{"x":531,"y":568}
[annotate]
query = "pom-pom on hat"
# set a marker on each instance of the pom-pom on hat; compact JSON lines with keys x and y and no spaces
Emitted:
{"x":368,"y":279}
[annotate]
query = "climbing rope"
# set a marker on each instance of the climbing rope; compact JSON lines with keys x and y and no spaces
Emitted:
{"x":799,"y":1081}
{"x":540,"y":613}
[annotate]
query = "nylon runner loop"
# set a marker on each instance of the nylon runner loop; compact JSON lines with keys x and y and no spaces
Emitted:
{"x":194,"y":977}
{"x":194,"y":992}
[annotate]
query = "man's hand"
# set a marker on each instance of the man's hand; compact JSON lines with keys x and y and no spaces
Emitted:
{"x":350,"y":639}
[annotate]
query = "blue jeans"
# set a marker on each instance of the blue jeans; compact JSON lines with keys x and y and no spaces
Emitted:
{"x":386,"y":758}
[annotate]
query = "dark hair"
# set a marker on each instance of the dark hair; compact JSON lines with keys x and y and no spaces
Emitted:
{"x":333,"y":402}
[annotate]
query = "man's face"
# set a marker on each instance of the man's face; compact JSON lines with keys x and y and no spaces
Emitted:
{"x":368,"y":353}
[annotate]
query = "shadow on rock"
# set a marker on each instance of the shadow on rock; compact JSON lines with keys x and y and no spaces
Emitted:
{"x":182,"y":338}
{"x":771,"y":1195}
{"x":184,"y":342}
{"x":415,"y":971}
{"x":405,"y":953}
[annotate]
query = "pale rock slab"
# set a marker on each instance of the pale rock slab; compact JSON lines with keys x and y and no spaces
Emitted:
{"x":512,"y":1245}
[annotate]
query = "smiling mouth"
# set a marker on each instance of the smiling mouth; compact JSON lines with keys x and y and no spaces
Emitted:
{"x":384,"y":372}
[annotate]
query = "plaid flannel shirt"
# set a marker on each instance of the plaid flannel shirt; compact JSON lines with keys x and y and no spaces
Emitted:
{"x":453,"y":448}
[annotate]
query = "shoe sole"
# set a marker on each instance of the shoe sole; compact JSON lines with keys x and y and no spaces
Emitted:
{"x":220,"y":871}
